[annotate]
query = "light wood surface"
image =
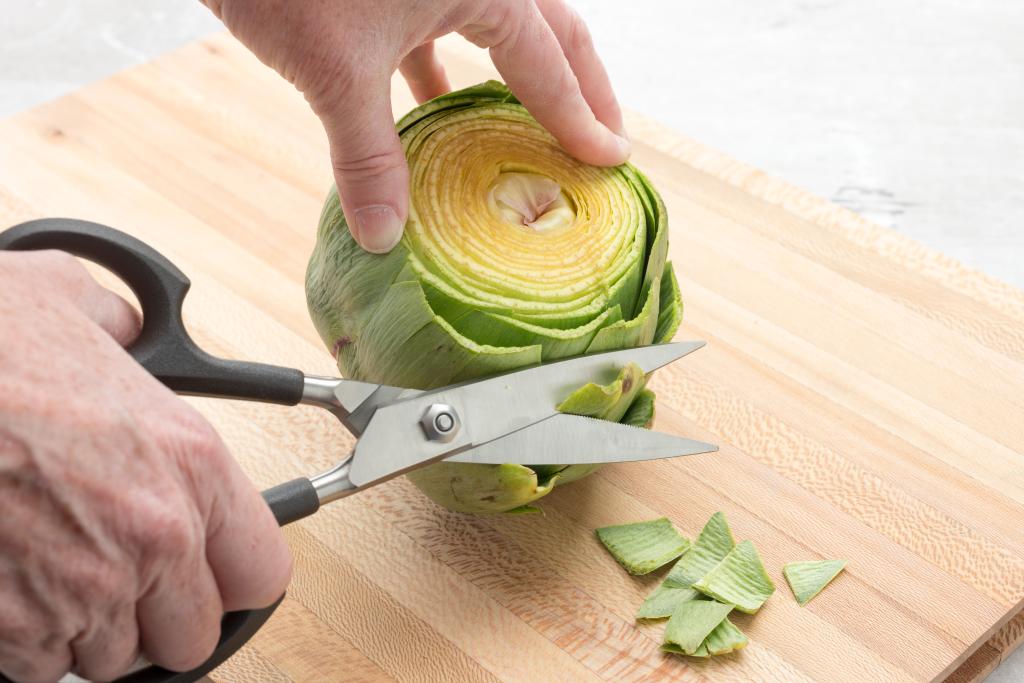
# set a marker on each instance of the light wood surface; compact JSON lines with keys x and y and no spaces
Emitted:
{"x":867,"y":395}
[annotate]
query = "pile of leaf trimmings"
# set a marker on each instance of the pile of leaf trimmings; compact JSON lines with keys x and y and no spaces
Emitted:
{"x":712,"y":577}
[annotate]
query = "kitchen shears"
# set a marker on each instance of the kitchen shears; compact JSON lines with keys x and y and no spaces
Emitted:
{"x":509,"y":418}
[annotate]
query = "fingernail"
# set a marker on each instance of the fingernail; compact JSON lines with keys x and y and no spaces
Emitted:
{"x":378,"y":228}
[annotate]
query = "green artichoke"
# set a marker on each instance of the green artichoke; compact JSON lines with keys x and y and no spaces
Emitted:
{"x":514,"y":254}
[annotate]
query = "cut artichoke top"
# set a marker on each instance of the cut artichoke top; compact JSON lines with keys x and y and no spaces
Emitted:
{"x":515,"y":226}
{"x":514,"y":253}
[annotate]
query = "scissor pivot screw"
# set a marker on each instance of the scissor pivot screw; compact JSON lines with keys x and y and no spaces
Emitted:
{"x":440,"y":422}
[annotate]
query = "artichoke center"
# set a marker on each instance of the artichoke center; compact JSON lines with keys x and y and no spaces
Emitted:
{"x":530,"y":201}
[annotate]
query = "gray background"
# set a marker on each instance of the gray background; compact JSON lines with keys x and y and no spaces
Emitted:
{"x":910,"y":113}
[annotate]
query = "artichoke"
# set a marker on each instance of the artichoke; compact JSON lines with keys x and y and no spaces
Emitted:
{"x":514,"y":254}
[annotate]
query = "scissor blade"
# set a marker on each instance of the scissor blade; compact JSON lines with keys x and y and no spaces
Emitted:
{"x":352,"y":402}
{"x":358,"y":420}
{"x":394,"y":442}
{"x":576,"y":440}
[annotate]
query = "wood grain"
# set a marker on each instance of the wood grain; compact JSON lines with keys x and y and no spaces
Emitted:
{"x":866,"y":393}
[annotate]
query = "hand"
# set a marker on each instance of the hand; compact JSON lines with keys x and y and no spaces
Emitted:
{"x":341,"y":54}
{"x":126,"y":527}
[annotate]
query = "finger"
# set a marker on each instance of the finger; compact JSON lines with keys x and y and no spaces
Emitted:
{"x":526,"y":52}
{"x":179,"y":617}
{"x":110,"y":648}
{"x":578,"y":46}
{"x":424,"y":73}
{"x":112,"y":313}
{"x":369,"y":164}
{"x":250,"y":559}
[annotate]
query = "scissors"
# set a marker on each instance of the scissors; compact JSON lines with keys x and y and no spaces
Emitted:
{"x":508,"y":418}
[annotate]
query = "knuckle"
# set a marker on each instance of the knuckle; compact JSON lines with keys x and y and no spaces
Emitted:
{"x":166,"y":530}
{"x":500,"y":24}
{"x":577,"y":35}
{"x":551,"y":97}
{"x":172,"y":533}
{"x":370,"y":165}
{"x":191,"y":448}
{"x":329,"y":78}
{"x":187,"y":434}
{"x":203,"y":443}
{"x":508,"y":32}
{"x":325,"y":85}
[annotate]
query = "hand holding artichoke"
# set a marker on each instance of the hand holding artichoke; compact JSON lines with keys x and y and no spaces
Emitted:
{"x":341,"y":54}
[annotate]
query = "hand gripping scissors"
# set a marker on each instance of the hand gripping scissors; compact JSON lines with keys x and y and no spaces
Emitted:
{"x":508,"y":418}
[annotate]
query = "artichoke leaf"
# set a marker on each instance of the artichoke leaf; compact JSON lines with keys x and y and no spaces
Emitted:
{"x":701,"y":652}
{"x":642,"y":547}
{"x":724,"y":639}
{"x":739,"y":579}
{"x":664,"y":601}
{"x":714,"y":542}
{"x":641,"y":411}
{"x":692,"y":622}
{"x":607,"y":401}
{"x":482,"y":488}
{"x":671,"y":313}
{"x":807,"y":579}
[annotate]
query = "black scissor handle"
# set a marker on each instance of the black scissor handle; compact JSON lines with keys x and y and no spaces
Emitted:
{"x":164,"y":347}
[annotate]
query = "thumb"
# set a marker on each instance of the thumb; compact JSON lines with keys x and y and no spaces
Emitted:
{"x":369,"y":164}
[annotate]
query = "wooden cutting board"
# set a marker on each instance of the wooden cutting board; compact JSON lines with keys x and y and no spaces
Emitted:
{"x":867,"y":394}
